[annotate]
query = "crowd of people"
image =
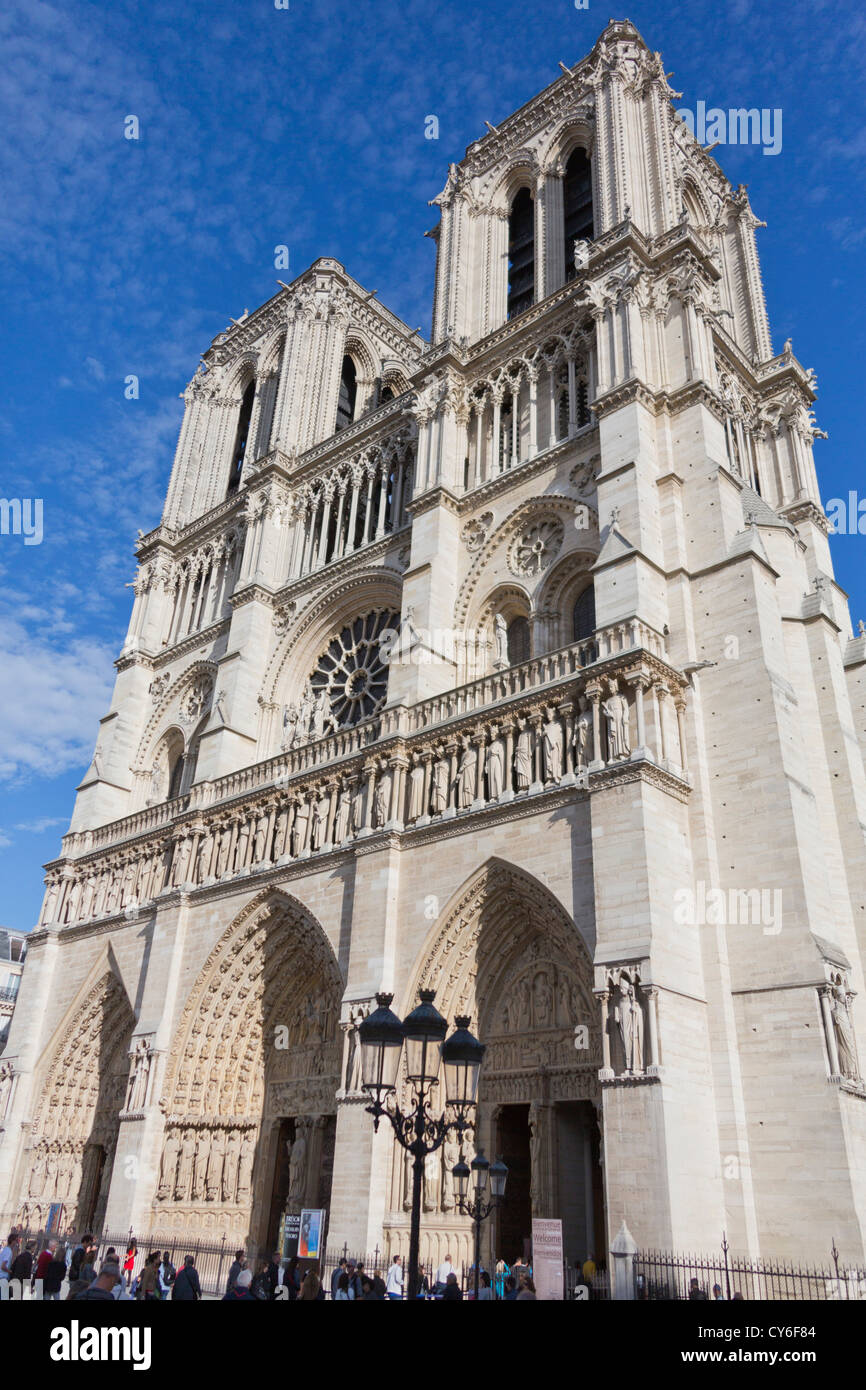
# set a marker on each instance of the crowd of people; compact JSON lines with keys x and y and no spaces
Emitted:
{"x":69,"y":1270}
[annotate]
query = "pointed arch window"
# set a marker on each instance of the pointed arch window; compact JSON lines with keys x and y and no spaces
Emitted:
{"x":578,"y":222}
{"x":241,"y":438}
{"x":348,"y":393}
{"x":521,"y":254}
{"x":175,"y":780}
{"x":583,"y":615}
{"x":518,"y":641}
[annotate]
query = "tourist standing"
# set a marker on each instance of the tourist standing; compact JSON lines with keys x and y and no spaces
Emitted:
{"x":7,"y":1255}
{"x":442,"y":1273}
{"x":187,"y":1288}
{"x":335,"y":1277}
{"x":237,"y":1264}
{"x":54,"y":1274}
{"x":394,"y":1281}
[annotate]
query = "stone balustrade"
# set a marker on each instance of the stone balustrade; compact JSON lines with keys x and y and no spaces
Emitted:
{"x":546,"y":725}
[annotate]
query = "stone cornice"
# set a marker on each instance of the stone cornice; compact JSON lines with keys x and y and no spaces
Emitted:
{"x":191,"y":644}
{"x":435,"y":497}
{"x":652,"y":773}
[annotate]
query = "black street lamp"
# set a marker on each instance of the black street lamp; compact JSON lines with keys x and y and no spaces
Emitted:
{"x":382,"y":1039}
{"x":481,"y":1172}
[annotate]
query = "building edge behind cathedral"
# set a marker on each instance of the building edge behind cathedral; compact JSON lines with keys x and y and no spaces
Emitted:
{"x":510,"y":665}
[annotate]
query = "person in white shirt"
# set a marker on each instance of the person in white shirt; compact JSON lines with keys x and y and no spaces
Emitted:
{"x":7,"y":1255}
{"x":444,"y":1270}
{"x":394,"y":1282}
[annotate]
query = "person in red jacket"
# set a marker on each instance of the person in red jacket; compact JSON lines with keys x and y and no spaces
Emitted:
{"x":44,"y":1261}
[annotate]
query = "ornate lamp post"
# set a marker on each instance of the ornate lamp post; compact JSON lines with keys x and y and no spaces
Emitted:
{"x":482,"y":1171}
{"x":382,"y":1039}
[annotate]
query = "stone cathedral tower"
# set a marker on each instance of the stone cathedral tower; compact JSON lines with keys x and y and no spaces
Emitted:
{"x":510,"y":665}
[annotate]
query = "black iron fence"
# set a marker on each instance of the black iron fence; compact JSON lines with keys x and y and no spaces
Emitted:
{"x":663,"y":1275}
{"x":212,"y":1258}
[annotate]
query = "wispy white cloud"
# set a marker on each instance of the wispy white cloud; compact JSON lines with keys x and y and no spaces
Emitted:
{"x":52,"y":694}
{"x":38,"y":827}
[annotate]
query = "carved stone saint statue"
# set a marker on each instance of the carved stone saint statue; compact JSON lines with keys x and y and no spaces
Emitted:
{"x":841,"y":1017}
{"x":582,"y":732}
{"x":466,"y":775}
{"x":203,"y":857}
{"x":500,"y":638}
{"x":495,"y":764}
{"x":320,"y":821}
{"x":416,"y":788}
{"x":321,"y":715}
{"x":553,"y":740}
{"x":136,"y":1095}
{"x":297,"y":1166}
{"x":183,"y":1180}
{"x":523,"y":756}
{"x":260,"y":842}
{"x":299,"y":829}
{"x":628,"y":1015}
{"x":245,"y":1167}
{"x":342,"y":816}
{"x":382,"y":798}
{"x":168,"y":1166}
{"x":223,"y":851}
{"x":214,"y":1176}
{"x":7,"y":1076}
{"x":230,"y":1165}
{"x":202,"y":1153}
{"x":450,"y":1157}
{"x":616,"y":715}
{"x":358,"y":800}
{"x":441,"y":779}
{"x":432,"y":1176}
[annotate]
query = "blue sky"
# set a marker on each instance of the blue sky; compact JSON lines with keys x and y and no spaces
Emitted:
{"x":305,"y":127}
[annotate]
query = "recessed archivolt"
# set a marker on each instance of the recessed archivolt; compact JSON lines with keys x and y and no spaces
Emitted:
{"x":568,"y":136}
{"x":157,"y":725}
{"x":82,"y":1086}
{"x":242,"y":371}
{"x":532,"y":508}
{"x":483,"y":936}
{"x":522,"y":172}
{"x":566,"y":580}
{"x":270,"y":966}
{"x":297,"y":653}
{"x":362,"y":353}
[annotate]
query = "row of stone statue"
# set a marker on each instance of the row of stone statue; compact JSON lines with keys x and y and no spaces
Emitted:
{"x":204,"y":1165}
{"x":496,"y":762}
{"x":438,"y":1193}
{"x":307,"y":720}
{"x":61,"y":1170}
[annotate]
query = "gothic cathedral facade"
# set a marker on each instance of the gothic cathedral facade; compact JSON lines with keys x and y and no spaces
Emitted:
{"x":509,"y":665}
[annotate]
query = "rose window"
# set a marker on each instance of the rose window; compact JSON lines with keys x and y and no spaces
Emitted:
{"x":536,"y":547}
{"x":352,"y":670}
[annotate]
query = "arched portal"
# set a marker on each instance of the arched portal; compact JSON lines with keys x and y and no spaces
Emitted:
{"x":506,"y":953}
{"x":251,"y":1079}
{"x":75,"y":1128}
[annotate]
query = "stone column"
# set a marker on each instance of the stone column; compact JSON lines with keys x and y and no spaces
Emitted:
{"x":825,"y":995}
